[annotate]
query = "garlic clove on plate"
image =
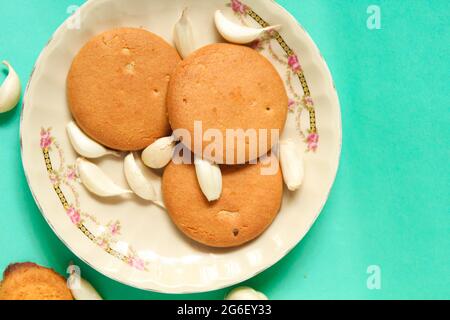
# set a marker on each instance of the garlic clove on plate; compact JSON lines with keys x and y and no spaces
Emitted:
{"x":10,"y":90}
{"x":292,"y":165}
{"x":184,"y":35}
{"x":145,"y":183}
{"x":209,"y":178}
{"x":96,"y":181}
{"x":158,"y":154}
{"x":245,"y":293}
{"x":84,"y":145}
{"x":237,"y":33}
{"x":83,"y":290}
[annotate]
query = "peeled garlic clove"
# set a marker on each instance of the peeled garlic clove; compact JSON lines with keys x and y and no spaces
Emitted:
{"x":245,"y":293}
{"x":145,"y":183}
{"x":84,"y":291}
{"x":209,"y":178}
{"x":184,"y":36}
{"x":96,"y":181}
{"x":237,"y":33}
{"x":10,"y":90}
{"x":84,"y":145}
{"x":158,"y":154}
{"x":291,"y":162}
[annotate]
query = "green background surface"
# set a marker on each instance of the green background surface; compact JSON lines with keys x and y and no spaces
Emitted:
{"x":390,"y":202}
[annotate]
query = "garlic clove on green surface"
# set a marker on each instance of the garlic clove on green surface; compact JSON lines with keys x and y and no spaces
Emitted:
{"x":245,"y":293}
{"x":10,"y":90}
{"x":84,"y":291}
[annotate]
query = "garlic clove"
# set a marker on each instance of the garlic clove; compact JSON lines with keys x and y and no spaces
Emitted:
{"x":209,"y":178}
{"x":84,"y":145}
{"x":292,"y":165}
{"x":237,"y":33}
{"x":145,"y":183}
{"x":96,"y":181}
{"x":245,"y":293}
{"x":158,"y":154}
{"x":84,"y":291}
{"x":184,"y":35}
{"x":79,"y":287}
{"x":10,"y":90}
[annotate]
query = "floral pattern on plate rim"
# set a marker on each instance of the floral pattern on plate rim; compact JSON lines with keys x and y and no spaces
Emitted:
{"x":107,"y":234}
{"x":64,"y":177}
{"x":290,"y":60}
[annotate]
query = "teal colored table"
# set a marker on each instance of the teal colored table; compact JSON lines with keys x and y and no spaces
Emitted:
{"x":389,"y":207}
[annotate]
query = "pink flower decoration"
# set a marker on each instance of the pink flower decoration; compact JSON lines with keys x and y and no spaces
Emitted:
{"x":53,"y":178}
{"x":102,"y":243}
{"x":313,"y":137}
{"x":312,"y":141}
{"x":308,"y":101}
{"x":46,"y":139}
{"x":114,"y":228}
{"x":74,"y":215}
{"x":294,"y":63}
{"x":71,"y":174}
{"x":313,"y":146}
{"x":238,"y":6}
{"x":137,"y":263}
{"x":291,"y":104}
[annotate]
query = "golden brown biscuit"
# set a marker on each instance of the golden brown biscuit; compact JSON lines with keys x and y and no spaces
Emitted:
{"x":248,"y":204}
{"x":28,"y":281}
{"x":227,"y":87}
{"x":117,"y":86}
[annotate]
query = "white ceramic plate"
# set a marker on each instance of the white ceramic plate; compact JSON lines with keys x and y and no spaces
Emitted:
{"x":134,"y":242}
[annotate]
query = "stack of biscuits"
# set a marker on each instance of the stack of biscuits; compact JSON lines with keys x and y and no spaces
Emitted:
{"x":127,"y":88}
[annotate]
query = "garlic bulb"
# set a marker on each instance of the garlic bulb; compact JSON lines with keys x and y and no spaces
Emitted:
{"x":184,"y":36}
{"x":83,"y":290}
{"x":10,"y":90}
{"x":291,"y":162}
{"x":145,"y":183}
{"x":245,"y":293}
{"x":96,"y":181}
{"x":84,"y":145}
{"x":209,"y":178}
{"x":237,"y":33}
{"x":158,"y":154}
